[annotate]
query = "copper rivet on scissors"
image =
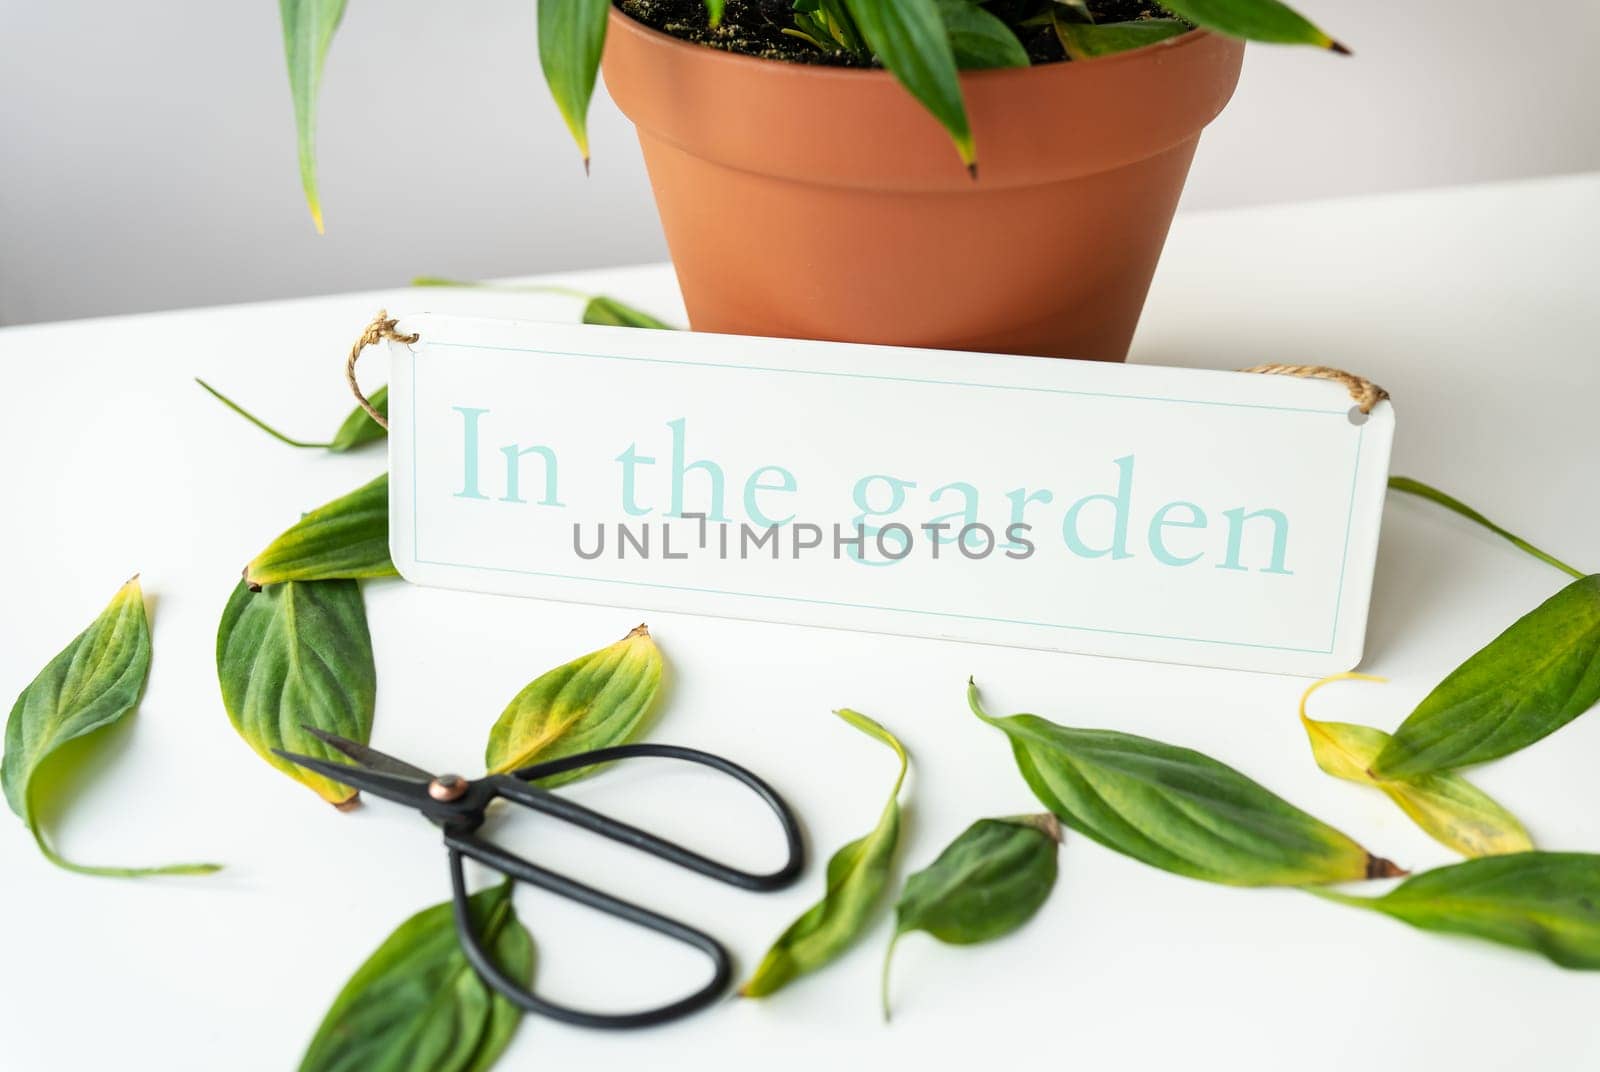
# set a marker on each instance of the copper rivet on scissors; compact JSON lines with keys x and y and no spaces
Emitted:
{"x":447,"y":787}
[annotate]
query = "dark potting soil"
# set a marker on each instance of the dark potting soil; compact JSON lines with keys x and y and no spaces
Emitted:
{"x":755,"y":28}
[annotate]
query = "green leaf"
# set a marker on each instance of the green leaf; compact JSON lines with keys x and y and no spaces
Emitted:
{"x":598,"y":700}
{"x":346,"y":538}
{"x":908,"y":37}
{"x":308,"y":27}
{"x":714,"y":10}
{"x":294,"y":655}
{"x":598,"y":308}
{"x":1416,"y":487}
{"x":1544,"y":902}
{"x":91,"y":684}
{"x":416,"y":1005}
{"x":604,"y":310}
{"x":829,"y":26}
{"x":978,"y":39}
{"x":1086,"y":41}
{"x":513,"y":288}
{"x":985,"y":884}
{"x":358,"y":428}
{"x":572,"y":34}
{"x":1254,"y":20}
{"x":1176,"y":809}
{"x":858,"y":875}
{"x":1450,"y":809}
{"x":1528,"y":682}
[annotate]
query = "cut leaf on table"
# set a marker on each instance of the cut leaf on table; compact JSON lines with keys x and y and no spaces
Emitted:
{"x":857,"y":877}
{"x":345,"y":539}
{"x":417,"y":1005}
{"x":600,"y":699}
{"x":984,"y":885}
{"x":608,"y":311}
{"x":293,"y":655}
{"x":1545,"y":902}
{"x":597,"y":309}
{"x":1409,"y":486}
{"x":357,"y":429}
{"x":1177,"y":809}
{"x":1528,"y":682}
{"x":91,"y":684}
{"x":1446,"y":806}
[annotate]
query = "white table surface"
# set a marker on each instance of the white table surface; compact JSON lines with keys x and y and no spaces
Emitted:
{"x":1477,"y":307}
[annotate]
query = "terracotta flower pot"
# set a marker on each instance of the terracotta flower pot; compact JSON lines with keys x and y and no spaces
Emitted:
{"x":824,"y":203}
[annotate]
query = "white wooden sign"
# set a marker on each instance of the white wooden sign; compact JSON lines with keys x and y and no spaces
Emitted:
{"x":1152,"y":513}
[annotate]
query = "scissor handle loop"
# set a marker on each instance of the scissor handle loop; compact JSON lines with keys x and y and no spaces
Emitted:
{"x":517,"y":868}
{"x":514,"y":787}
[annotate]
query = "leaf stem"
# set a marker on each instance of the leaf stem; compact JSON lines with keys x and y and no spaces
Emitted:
{"x":115,"y":872}
{"x":976,"y":705}
{"x":253,"y":419}
{"x":1449,"y":502}
{"x":1348,"y":675}
{"x":883,"y":984}
{"x":1339,"y":898}
{"x":522,"y":288}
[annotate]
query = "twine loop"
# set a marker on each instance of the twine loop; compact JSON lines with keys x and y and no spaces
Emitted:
{"x":381,"y":328}
{"x":1366,"y":393}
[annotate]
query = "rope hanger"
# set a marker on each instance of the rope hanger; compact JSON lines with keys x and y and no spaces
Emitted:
{"x":1363,"y":391}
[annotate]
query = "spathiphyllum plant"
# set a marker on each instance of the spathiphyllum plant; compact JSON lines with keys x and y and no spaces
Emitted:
{"x":923,"y":43}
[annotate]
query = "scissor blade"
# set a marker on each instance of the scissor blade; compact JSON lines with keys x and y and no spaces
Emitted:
{"x":367,"y":756}
{"x":388,"y":786}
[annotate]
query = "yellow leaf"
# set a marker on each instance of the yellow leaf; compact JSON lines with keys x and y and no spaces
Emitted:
{"x":598,"y":700}
{"x":1447,"y":807}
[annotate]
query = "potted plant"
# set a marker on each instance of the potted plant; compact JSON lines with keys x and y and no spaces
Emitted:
{"x":968,"y":174}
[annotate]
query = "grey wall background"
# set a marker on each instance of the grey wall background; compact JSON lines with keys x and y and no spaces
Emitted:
{"x":147,"y":150}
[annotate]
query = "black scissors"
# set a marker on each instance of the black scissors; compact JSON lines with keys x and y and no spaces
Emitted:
{"x":457,"y":806}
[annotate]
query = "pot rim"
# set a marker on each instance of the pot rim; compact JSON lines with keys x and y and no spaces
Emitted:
{"x":759,"y":115}
{"x":786,"y":68}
